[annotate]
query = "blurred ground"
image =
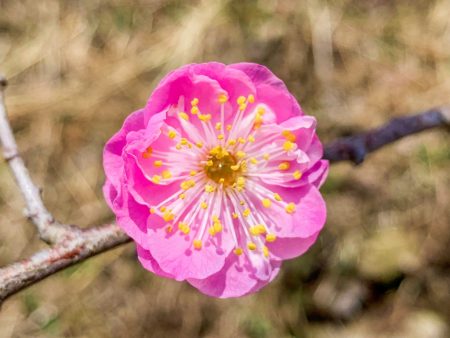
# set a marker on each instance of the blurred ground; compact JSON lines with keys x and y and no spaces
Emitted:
{"x":381,"y":267}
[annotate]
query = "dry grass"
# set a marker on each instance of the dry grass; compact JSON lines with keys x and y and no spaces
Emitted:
{"x":381,"y":268}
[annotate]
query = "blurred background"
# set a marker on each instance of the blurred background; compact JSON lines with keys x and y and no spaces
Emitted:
{"x":380,"y":268}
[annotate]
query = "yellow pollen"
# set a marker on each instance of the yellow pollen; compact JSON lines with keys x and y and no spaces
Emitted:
{"x":209,"y":188}
{"x":157,"y":163}
{"x":204,"y":117}
{"x":166,"y":174}
{"x":168,"y":216}
{"x":193,"y":173}
{"x":220,"y":137}
{"x":163,"y":208}
{"x":156,"y":179}
{"x":297,"y":174}
{"x":242,"y":203}
{"x":290,"y":208}
{"x":266,"y":156}
{"x":222,"y":98}
{"x":234,"y":215}
{"x":284,"y":166}
{"x":258,"y":229}
{"x":235,"y":167}
{"x":261,"y":111}
{"x":197,"y":244}
{"x":183,"y":141}
{"x":242,"y":106}
{"x":199,"y":144}
{"x":288,"y":135}
{"x":211,"y":231}
{"x":169,"y":229}
{"x":240,"y":154}
{"x":240,"y":181}
{"x":184,"y":227}
{"x":232,"y":142}
{"x":184,"y":116}
{"x":194,"y":110}
{"x":237,"y":251}
{"x":288,"y":145}
{"x":178,"y":146}
{"x":185,"y":185}
{"x":209,"y":163}
{"x":241,"y":140}
{"x":277,"y":197}
{"x":221,"y":180}
{"x":194,"y":101}
{"x":203,"y":205}
{"x":152,"y":210}
{"x":271,"y":237}
{"x":251,"y":138}
{"x":240,"y":100}
{"x":246,"y":212}
{"x":251,"y":246}
{"x":182,"y":196}
{"x":258,"y":121}
{"x":266,"y":202}
{"x":215,"y":218}
{"x":265,"y":251}
{"x":218,"y":126}
{"x":229,"y":127}
{"x":172,"y":134}
{"x":251,"y":98}
{"x":217,"y":227}
{"x":253,"y":160}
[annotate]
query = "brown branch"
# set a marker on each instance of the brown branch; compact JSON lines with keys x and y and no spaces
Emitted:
{"x":355,"y":148}
{"x":72,"y":245}
{"x":48,"y":228}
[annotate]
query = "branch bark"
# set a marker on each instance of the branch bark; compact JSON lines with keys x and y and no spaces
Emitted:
{"x":71,"y":244}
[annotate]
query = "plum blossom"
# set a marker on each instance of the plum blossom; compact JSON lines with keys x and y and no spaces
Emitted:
{"x":216,"y":179}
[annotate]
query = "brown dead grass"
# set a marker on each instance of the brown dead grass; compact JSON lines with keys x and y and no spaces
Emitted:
{"x":380,"y":268}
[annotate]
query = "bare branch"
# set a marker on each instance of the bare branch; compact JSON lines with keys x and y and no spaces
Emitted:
{"x":72,"y":244}
{"x":355,"y":148}
{"x":71,"y":250}
{"x":49,"y":229}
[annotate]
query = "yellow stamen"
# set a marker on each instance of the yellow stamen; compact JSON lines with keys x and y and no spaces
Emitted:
{"x":217,"y":227}
{"x":211,"y":231}
{"x":251,"y":138}
{"x":166,"y":174}
{"x":172,"y":134}
{"x":253,"y":160}
{"x":251,"y":98}
{"x":168,"y":216}
{"x":232,"y":142}
{"x":237,"y":251}
{"x":265,"y":251}
{"x":194,"y":110}
{"x":288,"y":135}
{"x":184,"y":227}
{"x":288,"y":145}
{"x":271,"y":237}
{"x":209,"y":188}
{"x":203,"y":205}
{"x":193,"y":173}
{"x":163,"y":208}
{"x":242,"y":106}
{"x":197,"y":244}
{"x":182,"y":196}
{"x":209,"y":163}
{"x":184,"y":116}
{"x":194,"y":101}
{"x":297,"y":174}
{"x":147,"y":153}
{"x":223,"y":98}
{"x":156,"y":179}
{"x":185,"y":185}
{"x":241,"y":140}
{"x":266,"y":156}
{"x":221,"y":180}
{"x":240,"y":154}
{"x":220,"y":137}
{"x":183,"y":141}
{"x":266,"y":202}
{"x":157,"y":163}
{"x":229,"y":127}
{"x":152,"y":210}
{"x":251,"y":246}
{"x":240,"y":100}
{"x":261,"y":111}
{"x":284,"y":166}
{"x":169,"y":229}
{"x":246,"y":212}
{"x":204,"y":117}
{"x":290,"y":208}
{"x":218,"y":126}
{"x":234,"y":215}
{"x":277,"y":197}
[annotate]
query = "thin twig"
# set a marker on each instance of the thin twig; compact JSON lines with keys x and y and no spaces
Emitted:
{"x":355,"y":148}
{"x":48,"y":228}
{"x":72,"y":245}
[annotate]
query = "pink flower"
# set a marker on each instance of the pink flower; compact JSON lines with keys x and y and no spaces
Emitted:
{"x":216,"y":179}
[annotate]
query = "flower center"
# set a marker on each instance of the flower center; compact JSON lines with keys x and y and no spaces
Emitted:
{"x":222,"y":167}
